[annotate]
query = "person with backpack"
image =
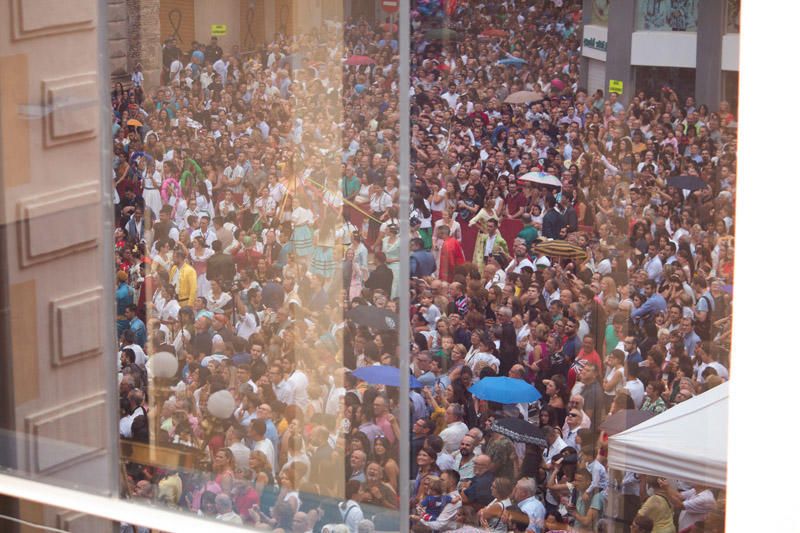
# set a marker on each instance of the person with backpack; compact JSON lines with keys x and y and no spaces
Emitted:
{"x":705,"y":308}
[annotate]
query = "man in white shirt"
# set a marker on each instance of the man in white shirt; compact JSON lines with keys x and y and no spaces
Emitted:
{"x":234,"y":440}
{"x":225,"y":512}
{"x":136,"y":399}
{"x":204,"y":231}
{"x":524,"y":496}
{"x":696,"y":504}
{"x":297,"y":380}
{"x":573,"y":424}
{"x":634,"y":387}
{"x":520,"y":260}
{"x":653,"y":265}
{"x":337,"y":391}
{"x":350,"y":510}
{"x":282,"y":388}
{"x":259,"y":442}
{"x":446,"y":518}
{"x":704,"y":351}
{"x":464,"y":458}
{"x":451,"y":96}
{"x":456,"y":428}
{"x":554,"y":445}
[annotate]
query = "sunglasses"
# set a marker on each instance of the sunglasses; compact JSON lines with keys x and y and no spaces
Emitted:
{"x":572,"y":414}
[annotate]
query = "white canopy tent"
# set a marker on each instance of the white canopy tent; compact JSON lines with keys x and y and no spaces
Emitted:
{"x":688,"y":442}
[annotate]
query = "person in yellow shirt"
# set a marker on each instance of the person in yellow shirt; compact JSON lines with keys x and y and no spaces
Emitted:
{"x":184,"y":278}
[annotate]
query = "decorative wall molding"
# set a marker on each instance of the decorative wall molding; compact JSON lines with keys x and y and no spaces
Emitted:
{"x":59,"y":223}
{"x":63,"y":436}
{"x":71,"y":109}
{"x":75,"y":326}
{"x":39,"y":18}
{"x":81,"y":522}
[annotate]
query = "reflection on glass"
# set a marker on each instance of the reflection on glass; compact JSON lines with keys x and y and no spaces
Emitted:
{"x":256,"y":244}
{"x":666,"y":15}
{"x":578,"y":279}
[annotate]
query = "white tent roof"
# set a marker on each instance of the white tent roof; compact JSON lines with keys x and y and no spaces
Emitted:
{"x":687,"y":442}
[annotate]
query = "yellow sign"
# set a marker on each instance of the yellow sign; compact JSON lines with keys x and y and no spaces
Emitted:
{"x":615,"y":86}
{"x":219,"y":29}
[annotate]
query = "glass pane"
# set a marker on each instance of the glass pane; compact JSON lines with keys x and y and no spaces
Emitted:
{"x":579,"y":276}
{"x":663,"y":15}
{"x":257,"y":243}
{"x":56,"y":412}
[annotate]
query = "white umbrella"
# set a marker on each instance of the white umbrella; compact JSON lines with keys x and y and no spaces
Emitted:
{"x":541,"y":178}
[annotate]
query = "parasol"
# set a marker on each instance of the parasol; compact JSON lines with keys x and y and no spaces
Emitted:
{"x":513,"y":61}
{"x":523,"y":97}
{"x":134,"y":122}
{"x":518,"y":430}
{"x":625,"y":419}
{"x":563,"y":249}
{"x":541,"y":178}
{"x":384,"y":375}
{"x":505,"y":390}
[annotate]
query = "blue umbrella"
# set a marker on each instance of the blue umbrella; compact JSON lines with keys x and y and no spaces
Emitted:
{"x":384,"y":375}
{"x":505,"y":390}
{"x":513,"y":61}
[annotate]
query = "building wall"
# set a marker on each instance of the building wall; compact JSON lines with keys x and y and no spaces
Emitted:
{"x":55,"y":268}
{"x":664,"y":49}
{"x":208,"y":12}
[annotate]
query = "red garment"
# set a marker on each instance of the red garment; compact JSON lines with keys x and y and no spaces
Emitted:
{"x":516,"y":201}
{"x":244,"y":502}
{"x":580,"y":361}
{"x":450,"y":257}
{"x":247,"y":259}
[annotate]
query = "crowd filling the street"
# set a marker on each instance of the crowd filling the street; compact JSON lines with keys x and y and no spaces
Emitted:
{"x":571,"y":264}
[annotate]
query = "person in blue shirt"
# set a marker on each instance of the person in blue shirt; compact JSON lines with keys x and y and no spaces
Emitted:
{"x":654,"y":304}
{"x":422,"y":261}
{"x":136,"y":325}
{"x":124,"y":297}
{"x":524,"y":496}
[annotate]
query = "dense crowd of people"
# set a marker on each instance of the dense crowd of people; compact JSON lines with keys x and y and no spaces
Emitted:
{"x":629,"y":310}
{"x":257,"y":210}
{"x":241,"y":243}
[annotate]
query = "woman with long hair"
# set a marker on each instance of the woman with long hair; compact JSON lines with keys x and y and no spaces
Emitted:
{"x":383,"y":453}
{"x":557,"y":397}
{"x":490,"y":517}
{"x":509,"y":351}
{"x":426,"y":468}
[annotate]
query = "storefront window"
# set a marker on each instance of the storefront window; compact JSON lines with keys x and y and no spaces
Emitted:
{"x":666,"y":15}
